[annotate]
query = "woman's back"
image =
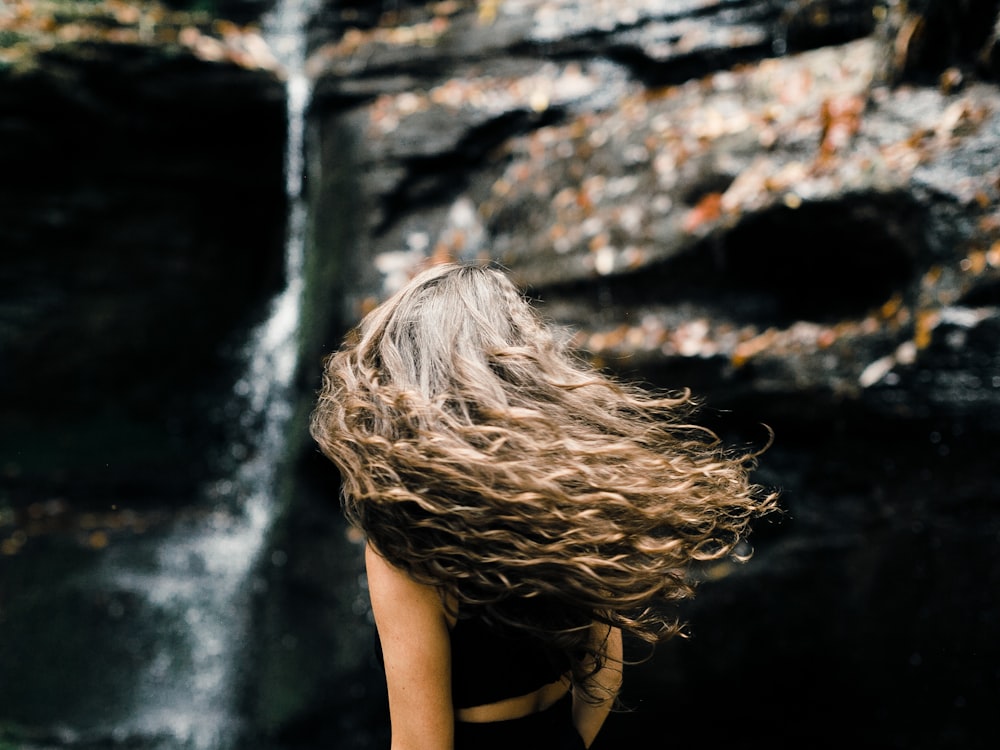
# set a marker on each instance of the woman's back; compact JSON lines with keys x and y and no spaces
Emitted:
{"x":490,"y":467}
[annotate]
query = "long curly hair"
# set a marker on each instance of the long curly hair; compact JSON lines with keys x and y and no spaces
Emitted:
{"x":480,"y":454}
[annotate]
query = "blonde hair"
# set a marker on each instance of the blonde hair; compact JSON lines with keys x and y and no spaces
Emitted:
{"x":482,"y":456}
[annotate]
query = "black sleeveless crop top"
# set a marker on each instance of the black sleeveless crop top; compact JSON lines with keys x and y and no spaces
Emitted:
{"x":488,"y":666}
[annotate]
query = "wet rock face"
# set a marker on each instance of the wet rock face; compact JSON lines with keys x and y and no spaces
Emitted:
{"x":141,"y":214}
{"x":793,"y":217}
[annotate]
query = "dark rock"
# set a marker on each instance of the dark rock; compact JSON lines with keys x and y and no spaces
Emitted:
{"x":141,"y":214}
{"x":238,"y":11}
{"x":924,"y":38}
{"x":810,"y":24}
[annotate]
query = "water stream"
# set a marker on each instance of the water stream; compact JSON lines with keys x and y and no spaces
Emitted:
{"x":191,"y":587}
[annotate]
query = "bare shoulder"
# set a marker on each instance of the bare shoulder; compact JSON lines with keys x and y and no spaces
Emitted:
{"x":392,"y":590}
{"x":411,"y":622}
{"x":380,"y":569}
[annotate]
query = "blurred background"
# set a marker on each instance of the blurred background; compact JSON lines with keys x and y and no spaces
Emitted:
{"x":789,"y":207}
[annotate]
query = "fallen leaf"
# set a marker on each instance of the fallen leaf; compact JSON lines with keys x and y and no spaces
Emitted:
{"x":708,"y":209}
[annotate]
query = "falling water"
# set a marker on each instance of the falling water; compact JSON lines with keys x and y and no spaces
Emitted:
{"x":191,"y":588}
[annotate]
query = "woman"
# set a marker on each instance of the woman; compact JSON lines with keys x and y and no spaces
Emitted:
{"x":521,"y":511}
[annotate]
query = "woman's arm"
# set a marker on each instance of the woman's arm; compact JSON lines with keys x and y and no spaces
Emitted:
{"x":603,"y":685}
{"x":413,"y":629}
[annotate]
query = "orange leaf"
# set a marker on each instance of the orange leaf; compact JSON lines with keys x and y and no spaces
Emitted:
{"x":709,"y":208}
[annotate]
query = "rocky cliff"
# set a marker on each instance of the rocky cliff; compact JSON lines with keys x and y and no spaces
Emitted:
{"x":791,"y":208}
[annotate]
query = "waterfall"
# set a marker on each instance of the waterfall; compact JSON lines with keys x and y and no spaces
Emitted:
{"x":191,"y":586}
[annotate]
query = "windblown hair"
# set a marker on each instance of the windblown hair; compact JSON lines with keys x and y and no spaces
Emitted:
{"x":479,"y":454}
